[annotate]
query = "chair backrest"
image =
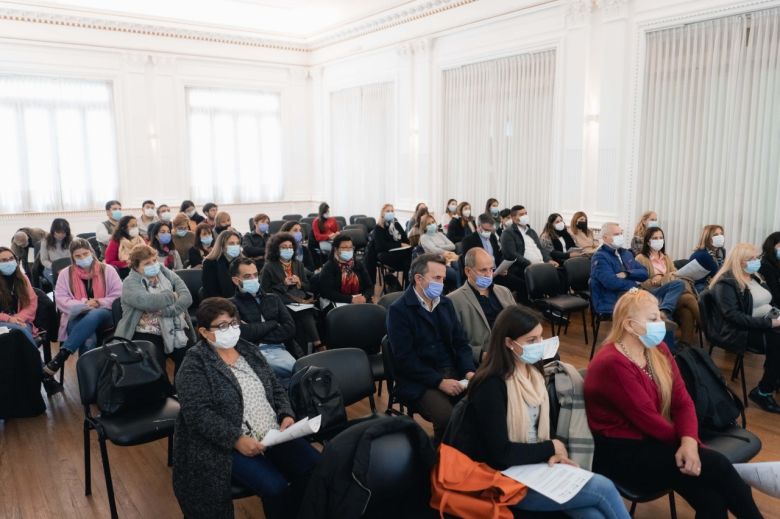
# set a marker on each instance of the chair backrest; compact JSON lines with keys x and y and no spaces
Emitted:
{"x":459,"y":248}
{"x":116,"y":310}
{"x":356,"y":226}
{"x":351,"y":370}
{"x":354,"y":217}
{"x":251,"y":225}
{"x":387,"y":359}
{"x":388,"y":299}
{"x":359,"y":237}
{"x":542,"y":281}
{"x":59,"y":264}
{"x":292,"y":217}
{"x":680,"y":263}
{"x":342,"y":221}
{"x":308,"y":221}
{"x":578,"y":272}
{"x":368,"y":221}
{"x":193,"y":278}
{"x":356,"y":326}
{"x":312,"y":215}
{"x":96,"y":247}
{"x":46,"y":317}
{"x":305,"y":229}
{"x":86,"y":235}
{"x":275,"y":226}
{"x":708,"y":310}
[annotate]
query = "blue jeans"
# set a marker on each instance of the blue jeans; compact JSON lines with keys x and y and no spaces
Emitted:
{"x":280,"y":360}
{"x":26,"y":330}
{"x":597,"y":499}
{"x":452,"y":277}
{"x":82,"y":328}
{"x":668,"y":295}
{"x":49,"y":275}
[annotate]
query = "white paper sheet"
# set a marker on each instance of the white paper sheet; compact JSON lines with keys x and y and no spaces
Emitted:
{"x":764,"y":476}
{"x":298,"y":307}
{"x":551,"y":347}
{"x":398,"y":248}
{"x":297,"y":430}
{"x":504,"y":267}
{"x":559,"y":482}
{"x":4,"y":329}
{"x":693,"y":270}
{"x":463,"y":383}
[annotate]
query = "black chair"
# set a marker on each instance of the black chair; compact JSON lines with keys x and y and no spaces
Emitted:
{"x":305,"y":229}
{"x":96,"y":247}
{"x":275,"y":226}
{"x":680,"y":263}
{"x":392,"y":396}
{"x":388,"y":299}
{"x":193,"y":278}
{"x":251,"y":225}
{"x":312,"y":215}
{"x":596,"y":320}
{"x":341,"y":221}
{"x":133,"y":427}
{"x":578,"y":275}
{"x":292,"y":217}
{"x":308,"y":220}
{"x":86,"y":235}
{"x":239,"y":491}
{"x":353,"y":219}
{"x":359,"y":326}
{"x":116,"y":311}
{"x":641,"y":495}
{"x":546,"y":294}
{"x":356,"y":227}
{"x":57,"y":266}
{"x":368,"y":221}
{"x":359,"y":239}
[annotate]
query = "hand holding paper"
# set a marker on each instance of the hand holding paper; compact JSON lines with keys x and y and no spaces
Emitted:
{"x":297,"y":430}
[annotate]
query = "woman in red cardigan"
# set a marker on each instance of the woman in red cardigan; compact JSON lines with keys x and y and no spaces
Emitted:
{"x":325,"y":228}
{"x":643,"y":420}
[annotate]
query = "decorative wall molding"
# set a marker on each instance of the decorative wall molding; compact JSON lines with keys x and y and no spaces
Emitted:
{"x":578,"y":11}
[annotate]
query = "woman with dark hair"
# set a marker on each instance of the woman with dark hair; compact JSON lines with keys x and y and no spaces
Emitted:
{"x":302,"y":254}
{"x":343,"y":279}
{"x":420,"y":208}
{"x":18,"y":301}
{"x":204,"y":241}
{"x":188,"y":208}
{"x":325,"y":228}
{"x":449,"y":212}
{"x":506,"y":420}
{"x":770,"y":266}
{"x":462,"y":223}
{"x":125,"y":237}
{"x":161,"y":240}
{"x":55,"y":246}
{"x":492,"y":208}
{"x":556,"y":240}
{"x":414,"y":230}
{"x":286,"y":276}
{"x":216,"y":266}
{"x":255,"y":240}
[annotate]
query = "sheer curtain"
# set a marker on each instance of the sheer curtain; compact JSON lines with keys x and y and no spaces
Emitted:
{"x":57,"y":144}
{"x":710,"y":129}
{"x":235,"y":140}
{"x":362,"y":140}
{"x":498,"y":131}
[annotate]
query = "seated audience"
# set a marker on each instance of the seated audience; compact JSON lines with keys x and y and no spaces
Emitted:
{"x":25,"y":239}
{"x":188,"y":208}
{"x":255,"y":240}
{"x":222,"y":222}
{"x":183,"y":237}
{"x":770,"y":266}
{"x":710,"y":253}
{"x":449,"y":212}
{"x":148,"y":217}
{"x":746,"y":317}
{"x":557,"y":241}
{"x":644,"y":423}
{"x":486,"y":238}
{"x":210,"y":211}
{"x":125,"y":238}
{"x":506,"y":421}
{"x":286,"y":276}
{"x":343,"y":279}
{"x":105,"y":231}
{"x":660,"y":271}
{"x":164,"y":213}
{"x":265,"y":322}
{"x":431,"y":354}
{"x":56,"y":246}
{"x":389,"y":235}
{"x":154,"y":306}
{"x":204,"y":242}
{"x":583,"y":237}
{"x":18,"y":301}
{"x":648,"y":220}
{"x":505,"y":215}
{"x":520,"y":243}
{"x":85,"y":292}
{"x":478,"y":302}
{"x":160,"y":239}
{"x":421,"y":206}
{"x":216,"y":266}
{"x":492,"y":208}
{"x":325,"y":228}
{"x":433,"y":241}
{"x":229,"y":400}
{"x":302,"y":253}
{"x":462,"y":224}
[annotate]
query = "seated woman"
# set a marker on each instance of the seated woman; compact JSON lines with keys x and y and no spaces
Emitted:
{"x":556,"y":240}
{"x":648,"y":220}
{"x":204,"y":243}
{"x":183,"y":237}
{"x":462,"y":223}
{"x":255,"y":240}
{"x":223,"y":222}
{"x":389,"y":235}
{"x":55,"y":246}
{"x":230,"y":399}
{"x":160,"y":239}
{"x":154,"y":306}
{"x":85,"y":292}
{"x":449,"y":212}
{"x":343,"y":279}
{"x":434,"y":241}
{"x":188,"y":208}
{"x":325,"y":228}
{"x":286,"y":277}
{"x":18,"y":301}
{"x":506,"y":421}
{"x":302,"y":253}
{"x":492,"y":208}
{"x":125,"y":238}
{"x":216,"y":266}
{"x":710,"y":253}
{"x":770,"y":266}
{"x":746,"y":317}
{"x":644,"y":423}
{"x":583,"y":237}
{"x":420,"y":209}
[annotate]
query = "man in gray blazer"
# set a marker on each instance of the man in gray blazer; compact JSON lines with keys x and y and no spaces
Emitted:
{"x":478,"y":302}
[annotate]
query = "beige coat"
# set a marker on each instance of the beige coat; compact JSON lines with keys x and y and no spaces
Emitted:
{"x":471,"y":316}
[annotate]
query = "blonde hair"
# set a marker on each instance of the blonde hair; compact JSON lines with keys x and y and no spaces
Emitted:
{"x":733,"y":264}
{"x":625,"y":310}
{"x":381,"y":220}
{"x":222,"y":215}
{"x":705,"y":238}
{"x":641,"y":227}
{"x":220,"y":244}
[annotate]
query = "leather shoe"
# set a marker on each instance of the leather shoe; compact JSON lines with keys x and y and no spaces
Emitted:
{"x":767,"y":403}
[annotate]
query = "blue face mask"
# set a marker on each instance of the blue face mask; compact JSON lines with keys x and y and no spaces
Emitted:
{"x":286,"y":254}
{"x":152,"y":270}
{"x":431,"y":229}
{"x":250,"y":286}
{"x":85,"y":263}
{"x":433,"y":290}
{"x":389,"y":216}
{"x":181,"y":233}
{"x":494,"y":211}
{"x":655,"y":331}
{"x":532,"y":353}
{"x":484,"y":282}
{"x":116,"y":214}
{"x":263,"y":228}
{"x":232,"y":251}
{"x":298,"y":236}
{"x":8,"y":267}
{"x":346,"y":255}
{"x":753,"y":266}
{"x":165,"y":238}
{"x":206,"y":240}
{"x":777,"y":253}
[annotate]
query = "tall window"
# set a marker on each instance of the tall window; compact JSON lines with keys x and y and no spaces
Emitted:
{"x":235,"y":140}
{"x":710,"y":129}
{"x":57,"y":144}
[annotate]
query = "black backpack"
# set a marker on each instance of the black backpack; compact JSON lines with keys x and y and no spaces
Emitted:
{"x":314,"y":392}
{"x":717,"y":406}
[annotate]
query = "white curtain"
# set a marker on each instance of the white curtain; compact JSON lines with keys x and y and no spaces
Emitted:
{"x":498,"y":132}
{"x":710,"y":134}
{"x":362,"y":141}
{"x":57,"y":144}
{"x":235,"y":140}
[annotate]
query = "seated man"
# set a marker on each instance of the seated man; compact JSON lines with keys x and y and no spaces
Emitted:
{"x":486,"y":238}
{"x":478,"y":302}
{"x":264,"y":319}
{"x":521,"y":243}
{"x":430,"y":351}
{"x":106,"y":229}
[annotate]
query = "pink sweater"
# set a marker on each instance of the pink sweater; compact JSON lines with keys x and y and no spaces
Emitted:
{"x":27,"y":313}
{"x":69,"y":305}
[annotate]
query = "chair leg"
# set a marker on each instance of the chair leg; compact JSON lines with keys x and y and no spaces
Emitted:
{"x":107,"y":474}
{"x":585,"y":327}
{"x":672,"y":506}
{"x":735,"y":369}
{"x":170,"y":450}
{"x":632,"y":509}
{"x":596,"y":326}
{"x":87,"y":462}
{"x":742,"y":376}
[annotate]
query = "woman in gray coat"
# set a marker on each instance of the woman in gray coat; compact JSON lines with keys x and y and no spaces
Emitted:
{"x":230,"y":399}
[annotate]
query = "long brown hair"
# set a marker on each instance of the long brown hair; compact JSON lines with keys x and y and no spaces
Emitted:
{"x":19,"y":286}
{"x":705,"y":238}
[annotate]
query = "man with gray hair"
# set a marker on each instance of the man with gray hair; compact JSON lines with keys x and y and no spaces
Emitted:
{"x":25,"y":239}
{"x":487,"y":239}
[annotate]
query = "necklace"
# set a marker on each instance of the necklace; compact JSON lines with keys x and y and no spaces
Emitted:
{"x":647,"y":369}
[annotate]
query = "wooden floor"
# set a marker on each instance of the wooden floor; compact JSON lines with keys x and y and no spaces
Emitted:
{"x":42,"y":470}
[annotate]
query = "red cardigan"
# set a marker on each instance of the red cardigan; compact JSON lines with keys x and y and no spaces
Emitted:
{"x":622,"y":402}
{"x":331,"y":226}
{"x":112,"y":255}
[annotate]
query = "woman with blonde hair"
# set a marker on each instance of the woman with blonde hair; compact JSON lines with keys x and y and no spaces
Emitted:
{"x":583,"y":237}
{"x":217,"y":281}
{"x":391,"y":243}
{"x":644,"y":423}
{"x":746,"y":317}
{"x":710,"y":252}
{"x":648,"y":220}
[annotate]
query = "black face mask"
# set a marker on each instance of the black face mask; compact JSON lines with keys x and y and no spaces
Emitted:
{"x":583,"y":226}
{"x":220,"y":228}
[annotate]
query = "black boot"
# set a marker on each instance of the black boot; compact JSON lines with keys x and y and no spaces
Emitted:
{"x":55,"y":364}
{"x":51,"y":386}
{"x":766,"y":402}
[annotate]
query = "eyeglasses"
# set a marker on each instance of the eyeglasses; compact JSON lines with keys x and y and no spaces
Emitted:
{"x":224,"y":326}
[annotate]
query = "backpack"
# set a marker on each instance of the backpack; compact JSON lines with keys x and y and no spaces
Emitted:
{"x":313,"y":391}
{"x":20,"y":377}
{"x":717,"y":406}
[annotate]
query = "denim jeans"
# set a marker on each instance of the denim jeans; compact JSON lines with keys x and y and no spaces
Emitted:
{"x":668,"y":295}
{"x":82,"y":328}
{"x":280,"y":360}
{"x":597,"y":499}
{"x":49,"y":275}
{"x":26,"y":330}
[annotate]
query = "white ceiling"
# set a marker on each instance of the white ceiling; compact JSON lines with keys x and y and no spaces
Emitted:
{"x":284,"y":18}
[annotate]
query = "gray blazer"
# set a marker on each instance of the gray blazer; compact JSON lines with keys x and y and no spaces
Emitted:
{"x":471,"y":316}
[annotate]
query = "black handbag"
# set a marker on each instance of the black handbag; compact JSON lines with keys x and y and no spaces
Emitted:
{"x":129,"y":378}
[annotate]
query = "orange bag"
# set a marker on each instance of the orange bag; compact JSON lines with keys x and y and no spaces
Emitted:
{"x":464,"y":488}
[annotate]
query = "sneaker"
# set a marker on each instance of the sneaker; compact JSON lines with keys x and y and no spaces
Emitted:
{"x":767,"y":403}
{"x":55,"y":364}
{"x":51,"y":386}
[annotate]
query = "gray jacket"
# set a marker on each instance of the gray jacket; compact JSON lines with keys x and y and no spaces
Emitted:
{"x":473,"y":319}
{"x":136,"y":299}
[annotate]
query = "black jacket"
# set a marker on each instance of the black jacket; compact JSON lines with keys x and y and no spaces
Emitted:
{"x":338,"y":487}
{"x":557,"y":253}
{"x":216,"y":278}
{"x":383,"y":240}
{"x":272,"y":280}
{"x":195,"y":257}
{"x":330,"y":282}
{"x":254,"y":245}
{"x":513,"y":246}
{"x":734,"y":320}
{"x":266,"y":322}
{"x":770,"y":269}
{"x":455,"y":230}
{"x":474,"y":240}
{"x":197,"y":218}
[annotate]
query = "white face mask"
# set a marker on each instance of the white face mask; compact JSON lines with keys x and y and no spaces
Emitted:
{"x":149,"y":213}
{"x":165,"y":216}
{"x":485,"y":234}
{"x":559,"y":226}
{"x":657,"y":244}
{"x":718,"y":241}
{"x":618,"y":241}
{"x":226,"y":339}
{"x":524,"y":219}
{"x":467,"y":213}
{"x":133,"y":232}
